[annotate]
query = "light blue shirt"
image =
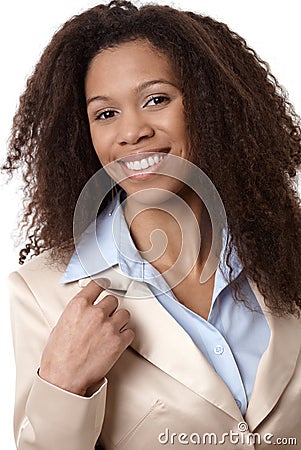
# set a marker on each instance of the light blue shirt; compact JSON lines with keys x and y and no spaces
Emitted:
{"x":232,"y":339}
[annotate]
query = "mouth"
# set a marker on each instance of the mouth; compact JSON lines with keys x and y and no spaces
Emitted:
{"x":143,"y":165}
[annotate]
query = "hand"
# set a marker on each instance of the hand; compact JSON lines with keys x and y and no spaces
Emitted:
{"x":86,"y":342}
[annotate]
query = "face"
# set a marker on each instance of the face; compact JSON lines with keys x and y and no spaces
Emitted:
{"x":136,"y":115}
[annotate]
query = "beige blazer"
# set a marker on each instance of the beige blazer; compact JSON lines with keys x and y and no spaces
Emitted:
{"x":161,"y":393}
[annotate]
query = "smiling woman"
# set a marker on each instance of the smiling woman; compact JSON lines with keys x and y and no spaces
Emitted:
{"x":151,"y":348}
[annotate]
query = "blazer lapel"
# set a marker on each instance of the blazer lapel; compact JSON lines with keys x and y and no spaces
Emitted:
{"x":276,"y":366}
{"x":163,"y":342}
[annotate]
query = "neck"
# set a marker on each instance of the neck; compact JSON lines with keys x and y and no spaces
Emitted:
{"x":175,"y":236}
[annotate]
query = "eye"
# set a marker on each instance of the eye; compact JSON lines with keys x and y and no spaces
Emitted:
{"x":157,"y":100}
{"x":108,"y":114}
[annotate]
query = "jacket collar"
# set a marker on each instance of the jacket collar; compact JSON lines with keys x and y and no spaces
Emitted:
{"x":277,"y":364}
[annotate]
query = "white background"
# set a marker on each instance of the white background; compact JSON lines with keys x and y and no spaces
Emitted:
{"x":270,"y":27}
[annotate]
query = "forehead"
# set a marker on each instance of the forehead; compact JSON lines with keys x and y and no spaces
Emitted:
{"x":130,"y":62}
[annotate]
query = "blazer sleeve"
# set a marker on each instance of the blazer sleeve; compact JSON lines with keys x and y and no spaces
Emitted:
{"x":46,"y":417}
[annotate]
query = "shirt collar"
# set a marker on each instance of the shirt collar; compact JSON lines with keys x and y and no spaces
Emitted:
{"x":108,"y":243}
{"x":96,"y":250}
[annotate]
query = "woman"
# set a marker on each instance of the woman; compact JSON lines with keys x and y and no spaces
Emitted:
{"x":147,"y":355}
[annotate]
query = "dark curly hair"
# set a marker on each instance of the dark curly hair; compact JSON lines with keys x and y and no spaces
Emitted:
{"x":236,"y":112}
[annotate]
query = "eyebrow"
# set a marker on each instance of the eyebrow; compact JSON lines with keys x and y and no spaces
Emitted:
{"x":140,"y":88}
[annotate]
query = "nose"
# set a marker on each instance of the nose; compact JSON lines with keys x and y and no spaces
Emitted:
{"x":133,"y":128}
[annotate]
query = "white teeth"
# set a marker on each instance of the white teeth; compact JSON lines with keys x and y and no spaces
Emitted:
{"x":144,"y":163}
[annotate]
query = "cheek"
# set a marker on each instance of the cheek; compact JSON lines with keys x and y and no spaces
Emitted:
{"x":181,"y":124}
{"x":175,"y":125}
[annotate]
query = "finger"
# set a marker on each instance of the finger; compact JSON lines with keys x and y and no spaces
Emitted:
{"x":128,"y":335}
{"x":93,"y":290}
{"x":121,"y":318}
{"x":108,"y":304}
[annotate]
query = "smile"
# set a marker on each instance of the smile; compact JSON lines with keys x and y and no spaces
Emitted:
{"x":144,"y":163}
{"x":144,"y":167}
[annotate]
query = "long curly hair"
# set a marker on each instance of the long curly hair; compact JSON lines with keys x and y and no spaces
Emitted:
{"x":244,"y":135}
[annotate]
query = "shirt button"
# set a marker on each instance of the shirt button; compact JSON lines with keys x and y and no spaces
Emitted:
{"x":218,"y":349}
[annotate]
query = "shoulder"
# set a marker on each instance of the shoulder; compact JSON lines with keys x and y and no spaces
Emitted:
{"x":38,"y":282}
{"x":43,"y":262}
{"x":39,"y":269}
